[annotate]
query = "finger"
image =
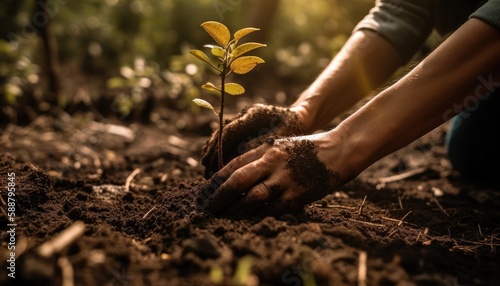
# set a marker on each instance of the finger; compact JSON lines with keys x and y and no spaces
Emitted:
{"x":243,"y":160}
{"x":207,"y":190}
{"x":255,"y":199}
{"x":285,"y":204}
{"x":236,"y":185}
{"x":220,"y":177}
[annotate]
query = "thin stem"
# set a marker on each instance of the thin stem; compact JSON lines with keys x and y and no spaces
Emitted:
{"x":221,"y":113}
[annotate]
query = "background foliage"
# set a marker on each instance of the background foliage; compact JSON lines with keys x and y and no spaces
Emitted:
{"x":138,"y":48}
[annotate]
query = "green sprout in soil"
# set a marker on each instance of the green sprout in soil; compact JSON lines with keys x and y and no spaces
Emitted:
{"x":242,"y":276}
{"x":229,"y":59}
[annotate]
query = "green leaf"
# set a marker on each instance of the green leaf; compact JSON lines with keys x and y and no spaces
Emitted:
{"x":204,"y":104}
{"x":200,"y":55}
{"x":234,"y":89}
{"x":216,"y":275}
{"x":203,"y":57}
{"x":211,"y":87}
{"x":245,"y":64}
{"x":219,"y":32}
{"x":243,"y":270}
{"x":243,"y":32}
{"x":216,"y":50}
{"x":244,"y":48}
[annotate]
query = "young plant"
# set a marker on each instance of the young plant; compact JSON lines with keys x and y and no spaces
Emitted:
{"x":229,"y":58}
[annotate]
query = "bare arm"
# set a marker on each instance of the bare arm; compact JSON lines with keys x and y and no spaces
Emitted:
{"x":364,"y":63}
{"x":429,"y":95}
{"x":273,"y":172}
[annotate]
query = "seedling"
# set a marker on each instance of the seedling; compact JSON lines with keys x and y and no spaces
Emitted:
{"x":229,"y":58}
{"x":242,"y":276}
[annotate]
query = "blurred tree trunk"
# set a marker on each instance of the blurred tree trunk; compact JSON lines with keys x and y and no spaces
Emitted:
{"x":8,"y":12}
{"x":49,"y":53}
{"x":262,"y":15}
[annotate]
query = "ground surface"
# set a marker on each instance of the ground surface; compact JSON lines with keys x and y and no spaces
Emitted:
{"x":429,"y":229}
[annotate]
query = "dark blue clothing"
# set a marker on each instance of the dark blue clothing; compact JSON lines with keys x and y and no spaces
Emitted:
{"x":473,"y":140}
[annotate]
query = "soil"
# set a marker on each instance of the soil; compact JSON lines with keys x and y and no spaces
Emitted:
{"x":428,"y":229}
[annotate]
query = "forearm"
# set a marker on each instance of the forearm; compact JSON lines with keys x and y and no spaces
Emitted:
{"x":364,"y":63}
{"x":426,"y":97}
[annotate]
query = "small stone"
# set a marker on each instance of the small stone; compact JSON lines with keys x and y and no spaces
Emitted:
{"x":437,"y":192}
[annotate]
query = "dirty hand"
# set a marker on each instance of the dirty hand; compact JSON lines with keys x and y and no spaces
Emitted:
{"x":247,"y":131}
{"x":278,"y":177}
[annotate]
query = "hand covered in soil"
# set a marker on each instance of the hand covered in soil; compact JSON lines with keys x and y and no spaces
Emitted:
{"x":278,"y":177}
{"x":247,"y":131}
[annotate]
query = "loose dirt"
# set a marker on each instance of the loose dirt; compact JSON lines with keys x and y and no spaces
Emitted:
{"x":429,"y":229}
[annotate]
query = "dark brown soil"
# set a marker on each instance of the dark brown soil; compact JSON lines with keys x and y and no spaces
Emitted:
{"x":430,"y":229}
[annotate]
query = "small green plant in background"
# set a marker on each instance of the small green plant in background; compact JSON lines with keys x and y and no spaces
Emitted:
{"x":18,"y":73}
{"x":242,"y":275}
{"x":229,"y":59}
{"x":136,"y":83}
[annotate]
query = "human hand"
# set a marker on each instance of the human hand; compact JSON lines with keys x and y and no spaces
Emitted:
{"x":247,"y":131}
{"x":278,"y":177}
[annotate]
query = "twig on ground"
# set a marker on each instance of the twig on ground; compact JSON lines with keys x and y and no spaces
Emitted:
{"x":130,"y":178}
{"x":400,"y":223}
{"x":152,"y":209}
{"x":139,"y":246}
{"x":361,"y":206}
{"x":485,"y":243}
{"x":439,"y":206}
{"x":366,"y":222}
{"x":392,"y":232}
{"x":426,"y":230}
{"x":390,"y":219}
{"x":403,"y":176}
{"x":67,"y":271}
{"x":334,"y":207}
{"x":362,"y":268}
{"x":400,"y":202}
{"x":479,"y":228}
{"x":62,"y":240}
{"x":427,"y":242}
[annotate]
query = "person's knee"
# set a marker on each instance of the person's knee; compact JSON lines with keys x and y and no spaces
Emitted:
{"x":473,"y":141}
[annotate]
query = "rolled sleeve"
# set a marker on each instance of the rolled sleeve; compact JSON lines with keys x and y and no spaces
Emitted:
{"x":405,"y":24}
{"x":489,"y":13}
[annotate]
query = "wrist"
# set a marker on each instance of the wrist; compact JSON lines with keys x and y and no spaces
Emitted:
{"x":305,"y":115}
{"x":355,"y":146}
{"x":336,"y":151}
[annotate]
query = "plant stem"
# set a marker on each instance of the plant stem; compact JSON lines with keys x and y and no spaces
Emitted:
{"x":221,"y":112}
